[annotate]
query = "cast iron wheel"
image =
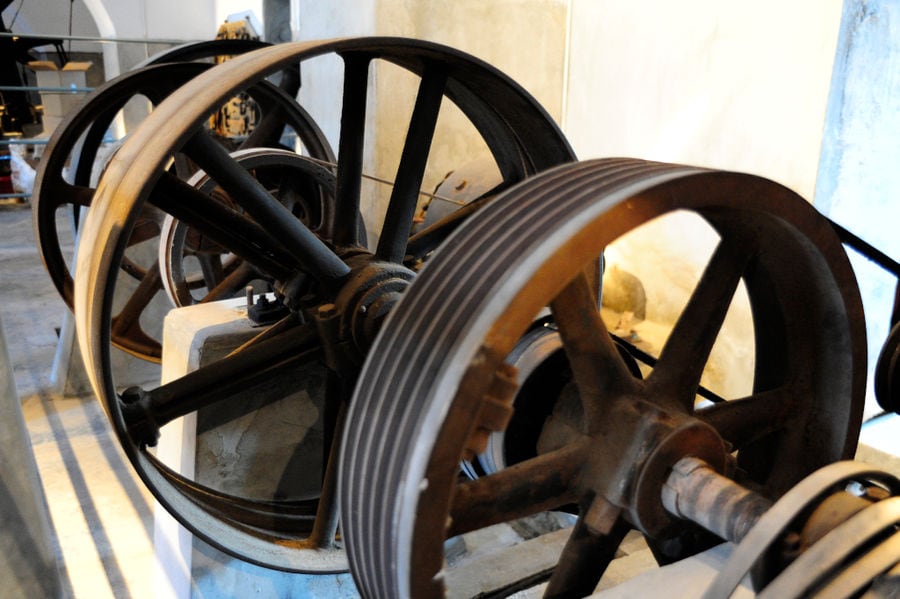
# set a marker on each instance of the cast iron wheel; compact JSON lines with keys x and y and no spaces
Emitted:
{"x":428,"y":392}
{"x":53,"y":193}
{"x":304,"y":186}
{"x":340,"y":292}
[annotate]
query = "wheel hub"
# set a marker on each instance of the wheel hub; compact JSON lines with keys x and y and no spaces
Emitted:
{"x":370,"y":292}
{"x":633,"y":449}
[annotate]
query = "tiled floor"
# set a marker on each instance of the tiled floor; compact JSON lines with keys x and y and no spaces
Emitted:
{"x":101,"y":513}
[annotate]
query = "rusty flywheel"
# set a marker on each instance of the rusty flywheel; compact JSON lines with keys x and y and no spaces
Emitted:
{"x":436,"y":380}
{"x":337,"y":290}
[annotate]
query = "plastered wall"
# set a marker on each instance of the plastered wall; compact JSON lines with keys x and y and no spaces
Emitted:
{"x":734,"y":85}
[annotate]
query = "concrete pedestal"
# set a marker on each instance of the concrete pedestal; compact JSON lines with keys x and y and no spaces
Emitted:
{"x":264,"y":444}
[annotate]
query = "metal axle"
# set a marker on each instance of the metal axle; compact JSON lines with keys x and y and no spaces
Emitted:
{"x":696,"y":492}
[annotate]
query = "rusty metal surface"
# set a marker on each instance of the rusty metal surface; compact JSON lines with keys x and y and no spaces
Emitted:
{"x":696,"y":492}
{"x":339,"y":293}
{"x":834,"y":535}
{"x":837,"y":551}
{"x":526,"y":250}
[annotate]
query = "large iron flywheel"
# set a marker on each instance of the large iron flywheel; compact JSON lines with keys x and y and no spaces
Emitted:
{"x":437,"y":379}
{"x":337,"y":291}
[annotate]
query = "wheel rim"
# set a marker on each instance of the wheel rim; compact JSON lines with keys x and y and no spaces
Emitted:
{"x":520,"y":133}
{"x":423,"y":384}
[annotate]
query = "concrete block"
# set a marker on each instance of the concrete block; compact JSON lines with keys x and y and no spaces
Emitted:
{"x":267,"y":444}
{"x":73,"y":75}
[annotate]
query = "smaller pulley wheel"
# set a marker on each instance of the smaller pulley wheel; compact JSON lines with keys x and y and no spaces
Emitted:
{"x":437,"y":380}
{"x":536,"y":426}
{"x":196,"y":269}
{"x":845,"y":546}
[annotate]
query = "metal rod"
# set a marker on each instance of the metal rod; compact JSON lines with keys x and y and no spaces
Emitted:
{"x":241,"y":236}
{"x":696,"y":492}
{"x":32,"y":88}
{"x":236,"y":372}
{"x":327,"y":514}
{"x":315,"y":256}
{"x":87,"y":38}
{"x":24,"y":142}
{"x":41,"y":142}
{"x":867,"y":250}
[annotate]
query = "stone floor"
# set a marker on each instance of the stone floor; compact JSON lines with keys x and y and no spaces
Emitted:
{"x":102,"y":516}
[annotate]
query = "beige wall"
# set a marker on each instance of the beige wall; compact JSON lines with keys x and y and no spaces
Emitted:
{"x":735,"y":85}
{"x":725,"y":84}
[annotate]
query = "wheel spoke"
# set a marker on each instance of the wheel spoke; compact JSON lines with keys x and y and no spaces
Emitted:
{"x":231,"y":284}
{"x":211,"y":267}
{"x":316,"y":257}
{"x":237,"y":372}
{"x":684,"y":356}
{"x":411,"y":170}
{"x":226,"y":227}
{"x":350,"y":149}
{"x":127,"y":322}
{"x":536,"y":485}
{"x":77,"y":195}
{"x":596,"y":363}
{"x":742,"y":421}
{"x":323,"y":532}
{"x":584,"y":559}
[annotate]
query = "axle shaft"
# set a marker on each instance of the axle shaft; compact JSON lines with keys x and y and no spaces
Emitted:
{"x":696,"y":492}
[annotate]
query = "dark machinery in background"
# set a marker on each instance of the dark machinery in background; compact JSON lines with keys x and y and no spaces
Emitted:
{"x":410,"y":398}
{"x":17,"y":109}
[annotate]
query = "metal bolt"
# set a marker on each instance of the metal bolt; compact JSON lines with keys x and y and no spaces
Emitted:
{"x":326,"y":311}
{"x":131,"y":395}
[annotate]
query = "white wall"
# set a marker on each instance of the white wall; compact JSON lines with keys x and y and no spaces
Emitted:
{"x":135,"y":19}
{"x":46,"y":17}
{"x":735,"y":85}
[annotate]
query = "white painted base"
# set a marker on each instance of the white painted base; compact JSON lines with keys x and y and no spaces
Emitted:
{"x":185,"y":333}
